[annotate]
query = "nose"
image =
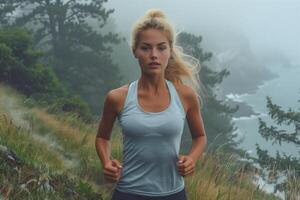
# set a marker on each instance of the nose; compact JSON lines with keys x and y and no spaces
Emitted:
{"x":153,"y":54}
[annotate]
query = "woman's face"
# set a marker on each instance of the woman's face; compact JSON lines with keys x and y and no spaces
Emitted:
{"x":153,"y":51}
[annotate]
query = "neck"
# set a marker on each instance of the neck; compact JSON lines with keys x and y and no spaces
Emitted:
{"x":153,"y":84}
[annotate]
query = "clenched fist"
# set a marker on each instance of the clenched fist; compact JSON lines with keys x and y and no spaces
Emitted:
{"x":185,"y":165}
{"x":112,"y":170}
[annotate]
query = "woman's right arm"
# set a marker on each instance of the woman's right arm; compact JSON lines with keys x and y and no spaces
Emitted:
{"x":111,"y":168}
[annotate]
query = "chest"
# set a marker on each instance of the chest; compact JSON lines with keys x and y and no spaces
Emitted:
{"x":154,"y":103}
{"x":164,"y":125}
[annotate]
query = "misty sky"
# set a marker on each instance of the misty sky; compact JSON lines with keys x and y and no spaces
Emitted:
{"x":268,"y":25}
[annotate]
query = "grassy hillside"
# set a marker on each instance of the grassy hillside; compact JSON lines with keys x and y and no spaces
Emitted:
{"x":52,"y":156}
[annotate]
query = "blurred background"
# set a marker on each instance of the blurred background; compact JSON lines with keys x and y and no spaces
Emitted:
{"x":59,"y":58}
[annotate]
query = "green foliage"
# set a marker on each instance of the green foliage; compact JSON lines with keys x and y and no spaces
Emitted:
{"x":218,"y":175}
{"x":26,"y":181}
{"x":78,"y":52}
{"x":281,"y":166}
{"x":216,"y":114}
{"x":73,"y":105}
{"x":20,"y":68}
{"x":84,"y":188}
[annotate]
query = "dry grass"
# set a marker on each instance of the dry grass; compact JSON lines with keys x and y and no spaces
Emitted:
{"x":217,"y":176}
{"x":26,"y":146}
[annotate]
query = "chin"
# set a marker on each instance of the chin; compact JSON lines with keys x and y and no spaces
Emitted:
{"x":154,"y":71}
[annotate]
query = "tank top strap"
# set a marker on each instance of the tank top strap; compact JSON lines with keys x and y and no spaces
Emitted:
{"x":129,"y":103}
{"x":175,"y":97}
{"x":131,"y":90}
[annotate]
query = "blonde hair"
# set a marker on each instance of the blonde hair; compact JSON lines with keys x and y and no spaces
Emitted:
{"x":182,"y":68}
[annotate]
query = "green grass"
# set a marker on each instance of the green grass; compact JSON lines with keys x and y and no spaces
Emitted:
{"x":63,"y":144}
{"x":24,"y":181}
{"x":218,"y":176}
{"x":26,"y":146}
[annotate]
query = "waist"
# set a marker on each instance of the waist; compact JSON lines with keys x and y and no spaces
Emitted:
{"x":144,"y":177}
{"x":125,"y":195}
{"x":153,"y":188}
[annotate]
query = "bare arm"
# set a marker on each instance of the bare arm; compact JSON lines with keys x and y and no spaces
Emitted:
{"x":105,"y":128}
{"x":102,"y":143}
{"x":187,"y":163}
{"x":196,"y":126}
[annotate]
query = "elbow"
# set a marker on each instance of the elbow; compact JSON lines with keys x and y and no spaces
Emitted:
{"x":100,"y":138}
{"x":100,"y":135}
{"x":200,"y":139}
{"x":99,"y":141}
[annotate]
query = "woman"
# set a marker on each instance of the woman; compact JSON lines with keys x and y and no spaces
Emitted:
{"x":151,"y":112}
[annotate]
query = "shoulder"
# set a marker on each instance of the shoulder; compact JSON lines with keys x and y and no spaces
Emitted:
{"x":185,"y":90}
{"x":115,"y":98}
{"x":116,"y":94}
{"x":187,"y":94}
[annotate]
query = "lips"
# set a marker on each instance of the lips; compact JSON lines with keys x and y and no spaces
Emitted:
{"x":154,"y":63}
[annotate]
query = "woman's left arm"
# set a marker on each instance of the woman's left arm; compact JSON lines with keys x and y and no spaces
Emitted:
{"x":187,"y":163}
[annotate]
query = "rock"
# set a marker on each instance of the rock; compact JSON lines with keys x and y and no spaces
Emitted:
{"x":10,"y":156}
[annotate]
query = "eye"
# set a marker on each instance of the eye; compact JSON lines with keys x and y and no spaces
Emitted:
{"x":144,"y":48}
{"x":161,"y":48}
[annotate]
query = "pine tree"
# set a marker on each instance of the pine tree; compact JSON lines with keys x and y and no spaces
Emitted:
{"x":217,"y":116}
{"x":281,"y":166}
{"x":78,"y":52}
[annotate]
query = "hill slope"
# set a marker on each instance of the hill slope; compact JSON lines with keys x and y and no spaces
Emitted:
{"x":52,"y":156}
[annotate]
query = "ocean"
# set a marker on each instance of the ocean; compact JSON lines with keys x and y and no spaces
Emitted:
{"x":285,"y":92}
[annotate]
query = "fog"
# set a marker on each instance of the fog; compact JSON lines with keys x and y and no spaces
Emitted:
{"x":256,"y":40}
{"x":266,"y":24}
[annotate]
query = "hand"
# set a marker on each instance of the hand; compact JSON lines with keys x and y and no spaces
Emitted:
{"x":112,"y":170}
{"x":186,"y":165}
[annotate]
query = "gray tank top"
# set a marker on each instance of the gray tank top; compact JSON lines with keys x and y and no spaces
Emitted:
{"x":151,"y":143}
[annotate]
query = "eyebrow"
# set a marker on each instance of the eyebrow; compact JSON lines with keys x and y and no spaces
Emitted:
{"x":145,"y":43}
